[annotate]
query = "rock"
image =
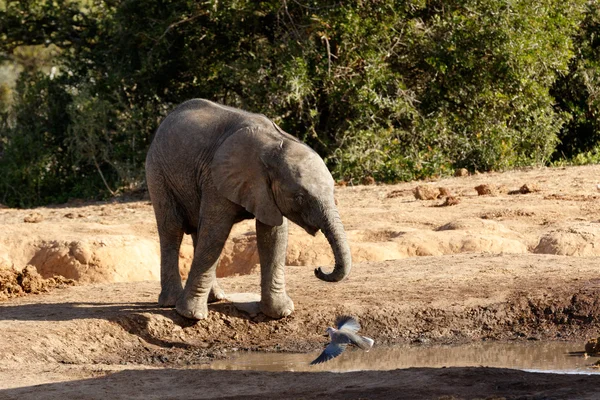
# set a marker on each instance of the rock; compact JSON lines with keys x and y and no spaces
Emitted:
{"x":450,"y":201}
{"x":396,"y":193}
{"x":485,"y":189}
{"x":9,"y":287}
{"x":444,"y":192}
{"x":529,"y":188}
{"x":461,"y":172}
{"x":426,"y":192}
{"x":15,"y":283}
{"x":33,"y":218}
{"x":592,"y":347}
{"x":30,"y":280}
{"x":368,"y":180}
{"x":526,"y":189}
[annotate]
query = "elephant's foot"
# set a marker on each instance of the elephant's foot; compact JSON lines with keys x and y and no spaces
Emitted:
{"x":276,"y":306}
{"x":192,"y":307}
{"x":216,"y":293}
{"x":169,"y":295}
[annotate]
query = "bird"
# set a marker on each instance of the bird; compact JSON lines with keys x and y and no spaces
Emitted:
{"x":345,"y":334}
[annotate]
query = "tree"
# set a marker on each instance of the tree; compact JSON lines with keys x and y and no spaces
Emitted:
{"x":394,"y":89}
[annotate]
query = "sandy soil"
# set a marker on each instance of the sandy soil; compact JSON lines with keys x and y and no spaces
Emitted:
{"x":514,"y":264}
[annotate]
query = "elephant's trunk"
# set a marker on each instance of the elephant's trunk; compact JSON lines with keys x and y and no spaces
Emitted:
{"x":336,"y":236}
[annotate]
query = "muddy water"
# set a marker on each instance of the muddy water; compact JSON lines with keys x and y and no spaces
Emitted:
{"x":558,"y":357}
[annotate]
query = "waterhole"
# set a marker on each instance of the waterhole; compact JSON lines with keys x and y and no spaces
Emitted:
{"x":555,"y":357}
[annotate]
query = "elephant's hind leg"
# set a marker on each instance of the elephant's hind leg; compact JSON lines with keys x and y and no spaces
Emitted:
{"x":170,"y":280}
{"x":170,"y":233}
{"x":216,"y":293}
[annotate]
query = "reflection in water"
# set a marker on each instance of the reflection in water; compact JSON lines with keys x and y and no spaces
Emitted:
{"x":551,"y":357}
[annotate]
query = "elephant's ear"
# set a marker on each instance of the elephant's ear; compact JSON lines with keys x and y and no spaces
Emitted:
{"x":241,"y":176}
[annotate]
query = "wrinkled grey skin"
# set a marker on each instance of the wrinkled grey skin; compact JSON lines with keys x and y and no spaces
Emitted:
{"x":211,"y":166}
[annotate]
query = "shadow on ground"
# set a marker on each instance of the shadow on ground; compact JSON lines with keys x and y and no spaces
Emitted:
{"x":412,"y":383}
{"x":135,"y":318}
{"x":85,"y":310}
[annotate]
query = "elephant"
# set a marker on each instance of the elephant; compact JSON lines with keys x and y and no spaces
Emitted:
{"x":210,"y":166}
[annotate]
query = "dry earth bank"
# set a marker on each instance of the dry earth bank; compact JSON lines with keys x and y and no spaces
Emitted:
{"x":117,"y":242}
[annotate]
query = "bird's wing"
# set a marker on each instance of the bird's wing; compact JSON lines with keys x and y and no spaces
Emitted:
{"x":331,"y":351}
{"x":347,"y":322}
{"x":363,"y":342}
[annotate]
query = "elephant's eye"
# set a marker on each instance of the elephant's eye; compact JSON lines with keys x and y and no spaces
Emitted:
{"x":299,"y":198}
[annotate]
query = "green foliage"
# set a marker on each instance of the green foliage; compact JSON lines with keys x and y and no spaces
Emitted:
{"x":578,"y":92}
{"x":394,"y":89}
{"x":489,"y":66}
{"x":33,"y":158}
{"x":582,"y":158}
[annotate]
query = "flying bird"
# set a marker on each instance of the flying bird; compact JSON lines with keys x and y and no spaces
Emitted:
{"x":345,"y":334}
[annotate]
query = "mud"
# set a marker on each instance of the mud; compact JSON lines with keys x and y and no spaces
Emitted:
{"x":15,"y":283}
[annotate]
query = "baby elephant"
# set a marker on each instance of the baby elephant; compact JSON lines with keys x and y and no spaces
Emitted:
{"x":211,"y":166}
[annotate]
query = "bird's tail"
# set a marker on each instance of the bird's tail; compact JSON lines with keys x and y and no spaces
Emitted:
{"x":366,"y":343}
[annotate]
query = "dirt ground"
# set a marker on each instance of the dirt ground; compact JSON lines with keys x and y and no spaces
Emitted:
{"x":518,"y":263}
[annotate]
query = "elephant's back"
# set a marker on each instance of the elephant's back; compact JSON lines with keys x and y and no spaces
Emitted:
{"x":200,"y":125}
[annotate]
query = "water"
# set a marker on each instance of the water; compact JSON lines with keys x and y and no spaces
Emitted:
{"x":555,"y":357}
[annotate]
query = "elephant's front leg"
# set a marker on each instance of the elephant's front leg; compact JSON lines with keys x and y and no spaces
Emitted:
{"x":216,"y":293}
{"x":213,"y":232}
{"x":272,"y":248}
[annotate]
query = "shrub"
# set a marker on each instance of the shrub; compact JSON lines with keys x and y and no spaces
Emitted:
{"x":577,"y":92}
{"x":394,"y":89}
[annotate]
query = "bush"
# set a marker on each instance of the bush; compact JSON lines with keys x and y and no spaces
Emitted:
{"x":394,"y":89}
{"x":577,"y":92}
{"x":34,"y":166}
